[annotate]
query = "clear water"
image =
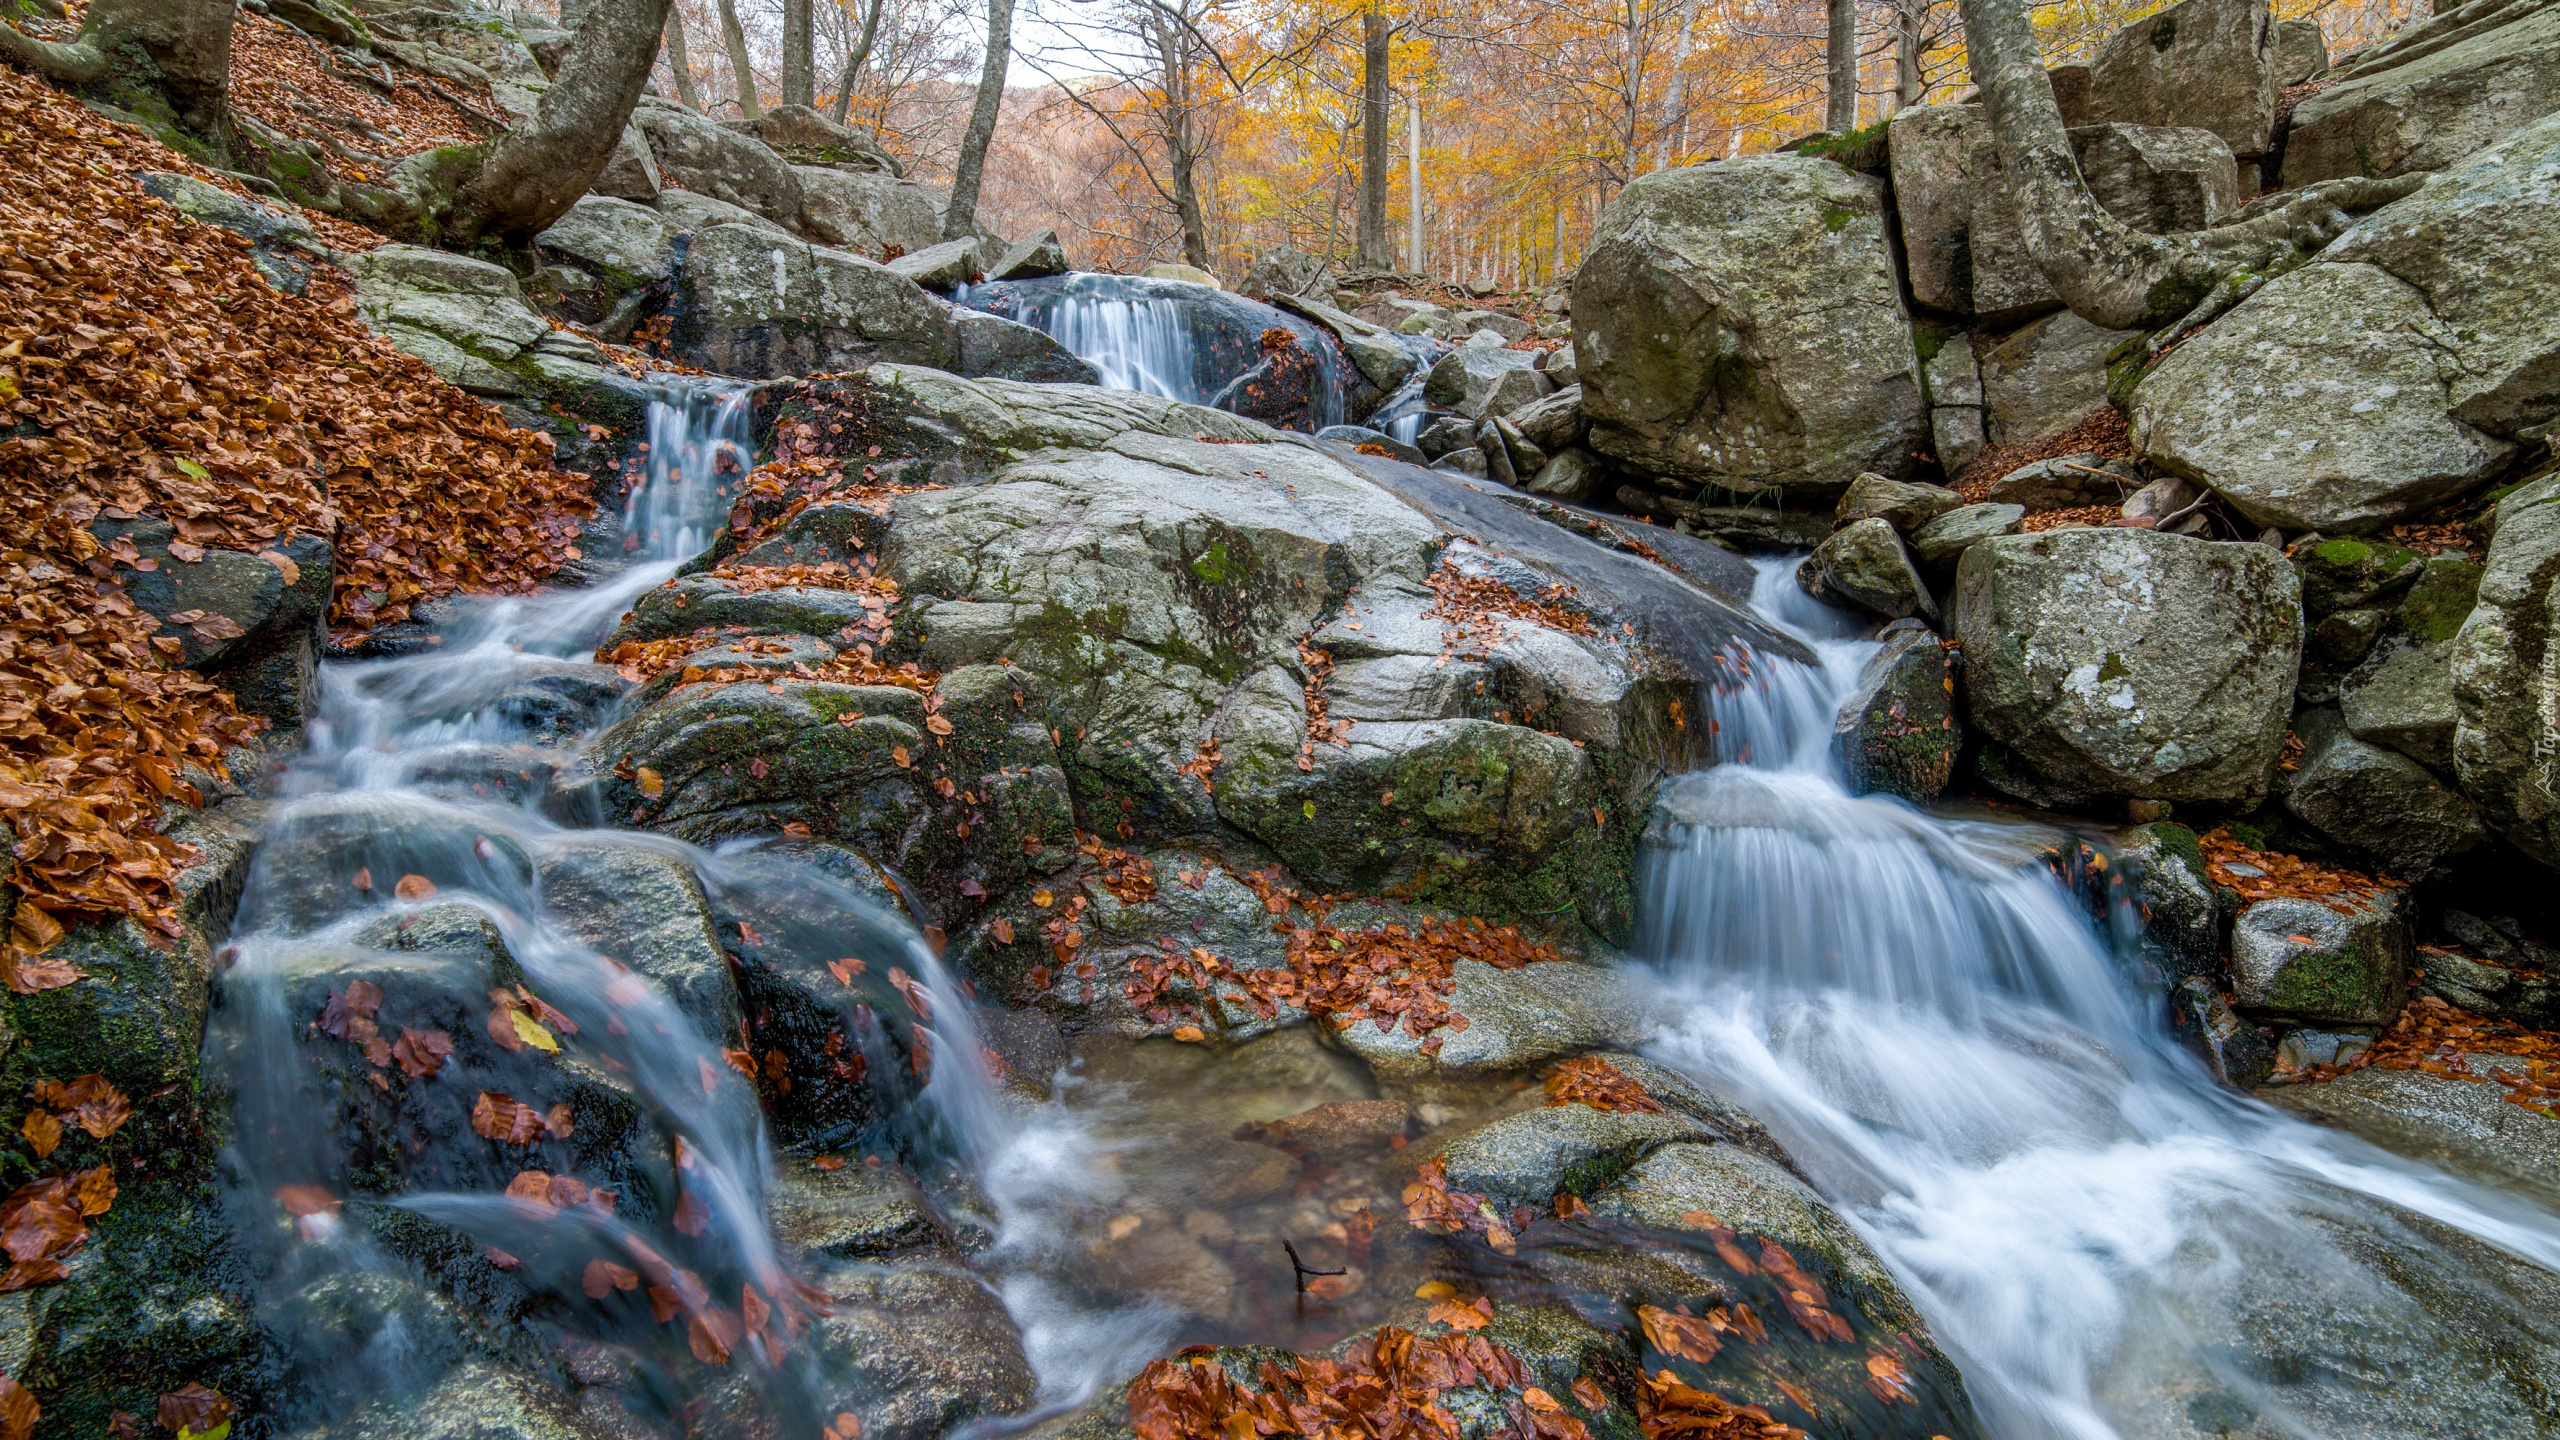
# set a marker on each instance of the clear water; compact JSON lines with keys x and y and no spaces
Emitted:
{"x":2105,"y":1242}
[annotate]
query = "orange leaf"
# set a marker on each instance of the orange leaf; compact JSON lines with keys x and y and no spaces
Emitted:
{"x":43,"y":1132}
{"x":414,"y":888}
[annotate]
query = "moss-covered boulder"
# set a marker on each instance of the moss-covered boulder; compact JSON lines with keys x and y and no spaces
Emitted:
{"x":2312,"y":962}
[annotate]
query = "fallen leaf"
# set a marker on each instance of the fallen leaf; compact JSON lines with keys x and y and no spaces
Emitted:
{"x":421,"y":1053}
{"x":43,"y":1132}
{"x":603,"y":1277}
{"x":533,"y":1032}
{"x":652,"y":784}
{"x":414,"y":888}
{"x":18,"y":1410}
{"x":1002,"y":929}
{"x":503,"y":1118}
{"x":899,"y":754}
{"x":692,"y":1216}
{"x":1589,"y":1393}
{"x":195,"y":1412}
{"x":302,"y":1200}
{"x":94,"y":1191}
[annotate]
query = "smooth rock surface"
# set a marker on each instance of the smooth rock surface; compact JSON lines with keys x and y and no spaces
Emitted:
{"x":2378,"y":801}
{"x":2303,"y":960}
{"x":2506,"y":677}
{"x":763,"y":305}
{"x":2432,"y":111}
{"x":2207,"y":63}
{"x":2046,"y":377}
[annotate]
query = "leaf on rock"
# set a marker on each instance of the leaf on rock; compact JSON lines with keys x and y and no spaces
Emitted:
{"x":532,"y":1032}
{"x":18,"y":1410}
{"x":194,"y":1411}
{"x":414,"y":888}
{"x":421,"y":1053}
{"x":503,"y":1118}
{"x":603,"y":1277}
{"x":93,"y":1191}
{"x":43,"y":1132}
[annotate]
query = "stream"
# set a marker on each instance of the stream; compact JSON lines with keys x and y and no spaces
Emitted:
{"x":1954,"y":1052}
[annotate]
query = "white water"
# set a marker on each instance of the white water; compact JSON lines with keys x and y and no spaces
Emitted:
{"x":2106,"y":1243}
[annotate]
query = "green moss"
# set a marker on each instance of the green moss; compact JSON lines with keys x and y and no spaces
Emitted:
{"x":1927,"y":340}
{"x":1836,"y":218}
{"x":2248,"y":835}
{"x":2181,"y":842}
{"x":2114,"y":668}
{"x":2443,"y":597}
{"x":2343,"y":552}
{"x":1076,"y":646}
{"x":1865,"y":150}
{"x":1214,"y":565}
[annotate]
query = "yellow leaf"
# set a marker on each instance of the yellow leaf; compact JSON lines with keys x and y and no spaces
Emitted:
{"x":1189,"y":1034}
{"x":1435,"y":1290}
{"x":533,"y":1033}
{"x":652,"y":784}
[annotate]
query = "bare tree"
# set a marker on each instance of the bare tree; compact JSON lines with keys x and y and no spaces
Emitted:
{"x":799,"y":54}
{"x":856,"y":51}
{"x":678,"y":62}
{"x":1840,"y":112}
{"x":960,"y":218}
{"x":2108,"y":272}
{"x":1376,"y":252}
{"x":733,"y":37}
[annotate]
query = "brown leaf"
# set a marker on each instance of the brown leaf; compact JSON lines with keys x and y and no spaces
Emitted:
{"x":18,"y":1410}
{"x":533,"y":1187}
{"x":712,"y":1334}
{"x":502,"y":1118}
{"x":1588,"y":1393}
{"x":93,"y":1191}
{"x":603,"y":1277}
{"x":414,"y":888}
{"x":692,"y":1216}
{"x":421,"y":1053}
{"x":193,"y":1408}
{"x":302,"y":1200}
{"x":43,"y":1132}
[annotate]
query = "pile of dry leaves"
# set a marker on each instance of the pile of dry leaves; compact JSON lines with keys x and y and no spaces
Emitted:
{"x":1387,"y":1386}
{"x":145,"y":368}
{"x":364,"y":114}
{"x":2268,"y":875}
{"x":1477,"y":611}
{"x":45,"y":1220}
{"x":2434,"y":1037}
{"x":2101,"y":432}
{"x":1590,"y":1080}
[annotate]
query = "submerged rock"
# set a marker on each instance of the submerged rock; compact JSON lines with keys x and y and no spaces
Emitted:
{"x":2465,"y":1125}
{"x":1897,"y":733}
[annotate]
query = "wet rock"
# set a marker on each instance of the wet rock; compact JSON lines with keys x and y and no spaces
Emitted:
{"x":756,"y":304}
{"x":2466,"y":1126}
{"x":1470,"y":461}
{"x":474,"y":1401}
{"x":1779,"y":248}
{"x":1339,"y":1129}
{"x":2203,"y":63}
{"x":2506,"y":986}
{"x":2433,"y":105}
{"x":2046,"y":378}
{"x":2378,"y":801}
{"x":856,"y":1211}
{"x":697,"y":602}
{"x":2181,"y":913}
{"x":314,"y":849}
{"x":1939,"y":544}
{"x":1909,"y":507}
{"x":1864,"y":567}
{"x":1531,"y":1157}
{"x":248,"y":616}
{"x":1897,"y":733}
{"x":992,"y":346}
{"x":1031,"y":258}
{"x":706,"y":158}
{"x":1752,"y":1195}
{"x":1356,"y":436}
{"x":1481,"y":380}
{"x":2305,"y":961}
{"x":1517,"y":1019}
{"x":1750,"y":529}
{"x":2350,"y":377}
{"x":2127,"y":662}
{"x":2235,"y":1052}
{"x":644,"y":907}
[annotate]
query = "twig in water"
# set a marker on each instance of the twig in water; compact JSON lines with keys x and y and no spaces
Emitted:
{"x":1302,"y":1267}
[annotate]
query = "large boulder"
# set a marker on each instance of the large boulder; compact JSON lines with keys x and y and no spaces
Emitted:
{"x":2416,"y":107}
{"x":1481,"y":380}
{"x":2158,"y":178}
{"x":809,"y":139}
{"x":1031,"y":259}
{"x":2129,"y":662}
{"x":1287,"y":270}
{"x":632,"y":171}
{"x":1864,"y":567}
{"x":466,"y":317}
{"x":2046,"y":378}
{"x":1897,"y":733}
{"x":2319,"y":403}
{"x":991,"y":345}
{"x":1741,"y":325}
{"x":702,"y":156}
{"x":2506,"y":676}
{"x":757,"y":304}
{"x":2205,"y":63}
{"x":2301,"y":52}
{"x":2476,"y":246}
{"x":878,"y":214}
{"x":2377,"y":801}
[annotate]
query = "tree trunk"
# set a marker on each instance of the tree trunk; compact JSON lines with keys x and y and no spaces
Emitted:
{"x":961,"y":218}
{"x":184,"y":50}
{"x":1413,"y":181}
{"x":799,"y":54}
{"x":1840,"y":116}
{"x":1675,"y":126}
{"x":530,"y":175}
{"x":1911,"y":17}
{"x":678,"y":63}
{"x":1181,"y":154}
{"x":1377,"y":251}
{"x":2107,"y":272}
{"x":855,"y":57}
{"x":733,"y":36}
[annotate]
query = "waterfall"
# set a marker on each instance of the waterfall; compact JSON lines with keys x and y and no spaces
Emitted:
{"x":2105,"y":1242}
{"x":407,"y":781}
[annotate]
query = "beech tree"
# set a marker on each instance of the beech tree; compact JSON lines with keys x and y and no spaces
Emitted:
{"x":1376,"y":247}
{"x":678,"y":62}
{"x":1840,"y":110}
{"x":960,"y":217}
{"x":2108,"y":272}
{"x":733,"y":37}
{"x":183,"y":50}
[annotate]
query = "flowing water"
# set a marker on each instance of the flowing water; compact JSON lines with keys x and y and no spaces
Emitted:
{"x":2106,"y":1242}
{"x":1953,"y":1049}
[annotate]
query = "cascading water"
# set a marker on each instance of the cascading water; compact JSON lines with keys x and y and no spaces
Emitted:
{"x":489,"y":1107}
{"x":2106,"y":1243}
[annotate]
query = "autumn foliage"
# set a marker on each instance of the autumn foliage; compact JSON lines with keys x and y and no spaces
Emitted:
{"x":1388,"y":1385}
{"x":146,"y":369}
{"x":1590,"y":1080}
